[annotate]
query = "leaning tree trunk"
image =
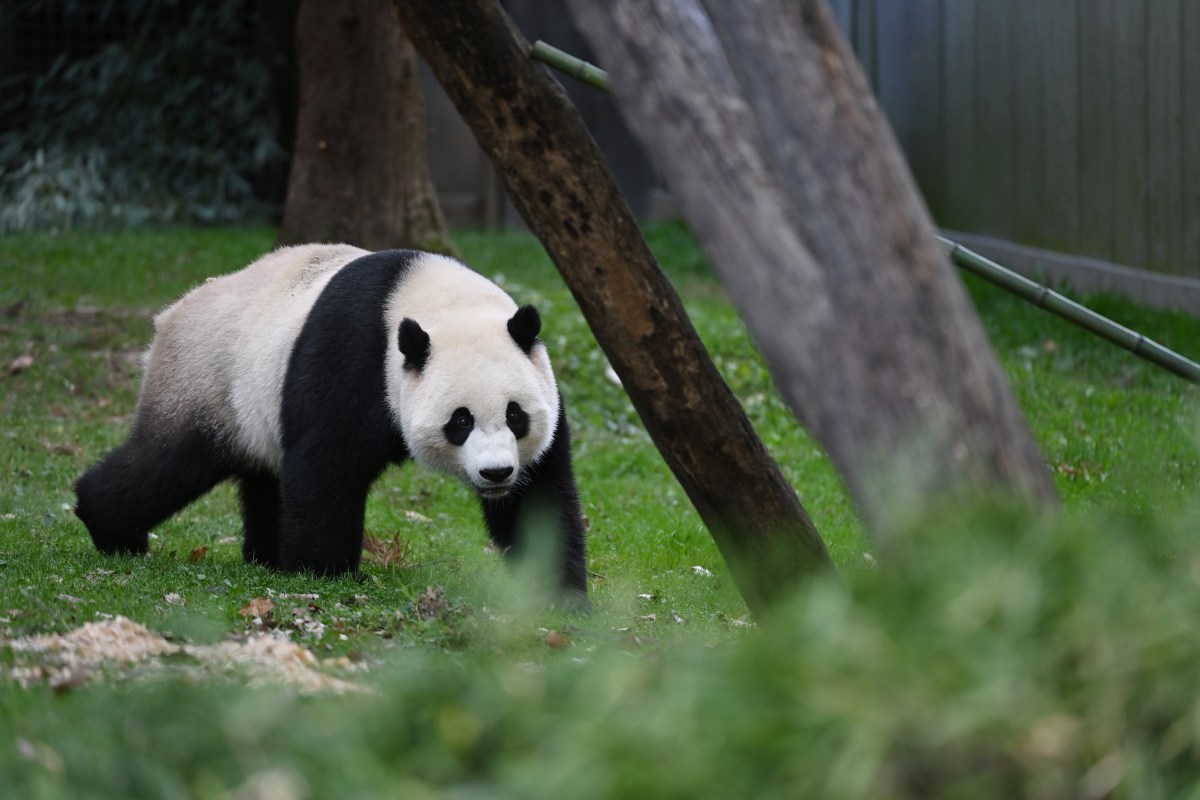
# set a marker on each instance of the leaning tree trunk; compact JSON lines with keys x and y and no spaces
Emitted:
{"x":558,"y":181}
{"x":766,"y":131}
{"x":359,"y":172}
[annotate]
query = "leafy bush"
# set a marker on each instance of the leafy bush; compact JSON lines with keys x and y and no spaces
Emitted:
{"x":997,"y":656}
{"x":169,"y":123}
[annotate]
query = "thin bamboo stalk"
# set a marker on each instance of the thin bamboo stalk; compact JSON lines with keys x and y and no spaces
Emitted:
{"x":1050,"y":300}
{"x":1040,"y":296}
{"x":564,"y":62}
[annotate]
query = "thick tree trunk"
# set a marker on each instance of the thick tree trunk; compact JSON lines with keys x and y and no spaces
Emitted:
{"x":359,"y":173}
{"x":559,"y":183}
{"x":762,"y":123}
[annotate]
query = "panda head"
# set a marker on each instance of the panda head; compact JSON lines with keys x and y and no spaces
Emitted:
{"x":477,"y":396}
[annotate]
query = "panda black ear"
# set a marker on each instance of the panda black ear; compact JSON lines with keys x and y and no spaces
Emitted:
{"x":414,"y":344}
{"x":524,"y":327}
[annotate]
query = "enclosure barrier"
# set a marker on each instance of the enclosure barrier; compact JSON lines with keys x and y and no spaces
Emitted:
{"x":1041,"y":296}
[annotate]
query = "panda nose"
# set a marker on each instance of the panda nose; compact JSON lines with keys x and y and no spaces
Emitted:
{"x":496,"y":474}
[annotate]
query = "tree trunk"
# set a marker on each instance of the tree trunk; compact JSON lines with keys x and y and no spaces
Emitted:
{"x":559,"y":183}
{"x":767,"y":133}
{"x":359,"y":173}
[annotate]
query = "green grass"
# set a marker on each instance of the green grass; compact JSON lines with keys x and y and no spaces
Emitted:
{"x":992,"y":655}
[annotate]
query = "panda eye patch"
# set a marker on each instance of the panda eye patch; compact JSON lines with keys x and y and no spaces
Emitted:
{"x":518,"y":420}
{"x":459,"y":427}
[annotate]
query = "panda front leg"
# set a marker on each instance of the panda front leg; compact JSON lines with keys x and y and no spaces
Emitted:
{"x":323,"y":498}
{"x":150,"y":477}
{"x":261,"y":509}
{"x":546,"y":504}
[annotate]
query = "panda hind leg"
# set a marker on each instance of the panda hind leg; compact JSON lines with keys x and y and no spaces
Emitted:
{"x":143,"y":482}
{"x":261,"y":509}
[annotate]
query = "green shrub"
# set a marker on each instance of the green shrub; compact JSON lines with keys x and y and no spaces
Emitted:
{"x":996,"y":655}
{"x":168,"y":123}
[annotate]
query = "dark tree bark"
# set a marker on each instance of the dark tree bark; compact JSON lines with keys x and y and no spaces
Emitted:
{"x":359,"y":172}
{"x":767,"y":132}
{"x":559,"y":183}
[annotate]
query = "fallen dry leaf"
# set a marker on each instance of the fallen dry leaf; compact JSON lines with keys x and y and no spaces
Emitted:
{"x":556,"y":640}
{"x":385,"y":552}
{"x":198,"y":554}
{"x":175,"y":599}
{"x":20,"y":363}
{"x":258,"y":607}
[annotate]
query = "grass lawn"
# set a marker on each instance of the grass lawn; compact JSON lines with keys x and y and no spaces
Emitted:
{"x":988,"y":654}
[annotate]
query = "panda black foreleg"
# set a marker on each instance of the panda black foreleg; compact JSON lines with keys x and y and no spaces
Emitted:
{"x":548,"y":498}
{"x":261,"y":509}
{"x":150,"y":477}
{"x":324,"y":498}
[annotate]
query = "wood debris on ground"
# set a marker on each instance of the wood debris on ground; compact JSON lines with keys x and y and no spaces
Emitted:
{"x":66,"y":660}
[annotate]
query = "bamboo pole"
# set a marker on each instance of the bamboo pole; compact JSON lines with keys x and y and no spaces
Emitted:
{"x":1050,"y":300}
{"x":568,"y":64}
{"x":1041,"y":296}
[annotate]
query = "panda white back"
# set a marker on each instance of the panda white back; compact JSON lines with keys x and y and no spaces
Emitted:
{"x":279,"y":295}
{"x":222,"y":350}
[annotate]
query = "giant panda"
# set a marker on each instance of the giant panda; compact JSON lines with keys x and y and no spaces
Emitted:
{"x":305,"y":374}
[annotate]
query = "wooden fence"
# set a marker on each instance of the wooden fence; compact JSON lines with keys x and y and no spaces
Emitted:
{"x":1069,"y":125}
